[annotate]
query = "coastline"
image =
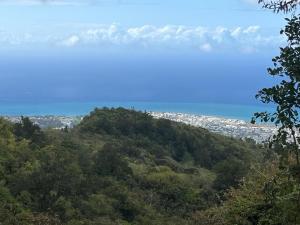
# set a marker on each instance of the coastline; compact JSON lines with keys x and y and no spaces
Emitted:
{"x":235,"y":111}
{"x":236,"y":128}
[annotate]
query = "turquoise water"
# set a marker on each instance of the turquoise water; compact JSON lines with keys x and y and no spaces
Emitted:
{"x":244,"y":112}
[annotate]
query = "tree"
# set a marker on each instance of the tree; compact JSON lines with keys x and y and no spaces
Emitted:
{"x":266,"y":197}
{"x":280,"y":5}
{"x":26,"y":129}
{"x":285,"y":95}
{"x":283,"y":192}
{"x":109,"y":162}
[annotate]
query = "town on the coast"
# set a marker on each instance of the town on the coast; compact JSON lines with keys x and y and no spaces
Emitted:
{"x":229,"y":127}
{"x":225,"y":126}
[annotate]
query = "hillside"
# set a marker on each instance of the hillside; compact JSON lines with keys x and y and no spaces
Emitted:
{"x":116,"y":167}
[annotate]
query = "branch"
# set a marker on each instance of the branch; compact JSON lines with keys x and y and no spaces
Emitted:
{"x":280,"y":5}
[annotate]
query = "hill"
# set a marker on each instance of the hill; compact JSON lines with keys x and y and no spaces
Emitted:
{"x":117,"y":166}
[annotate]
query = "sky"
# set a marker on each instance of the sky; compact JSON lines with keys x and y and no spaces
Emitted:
{"x":203,"y":26}
{"x":142,"y":50}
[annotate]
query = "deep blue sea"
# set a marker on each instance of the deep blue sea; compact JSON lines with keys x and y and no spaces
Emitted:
{"x":244,"y":112}
{"x":74,"y":84}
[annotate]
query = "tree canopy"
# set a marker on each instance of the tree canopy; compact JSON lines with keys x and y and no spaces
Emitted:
{"x":116,"y":167}
{"x":270,"y":194}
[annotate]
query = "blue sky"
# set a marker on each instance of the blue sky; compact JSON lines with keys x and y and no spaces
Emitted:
{"x":205,"y":26}
{"x":137,"y":50}
{"x":137,"y":12}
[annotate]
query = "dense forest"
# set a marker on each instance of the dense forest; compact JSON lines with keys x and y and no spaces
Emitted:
{"x":123,"y":167}
{"x":117,"y":166}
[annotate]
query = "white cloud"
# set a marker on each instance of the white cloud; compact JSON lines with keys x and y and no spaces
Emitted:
{"x":71,"y":41}
{"x":251,"y":29}
{"x":174,"y":37}
{"x":236,"y":32}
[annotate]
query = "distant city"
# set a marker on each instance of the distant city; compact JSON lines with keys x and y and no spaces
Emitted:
{"x":54,"y":122}
{"x":229,"y":127}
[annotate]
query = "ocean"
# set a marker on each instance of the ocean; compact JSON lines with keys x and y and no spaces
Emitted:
{"x":77,"y":83}
{"x":244,"y":112}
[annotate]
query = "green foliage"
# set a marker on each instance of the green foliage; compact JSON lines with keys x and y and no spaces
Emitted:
{"x":163,"y":137}
{"x":270,"y":195}
{"x":28,"y":130}
{"x":229,"y":172}
{"x":283,"y":194}
{"x":285,"y":96}
{"x":117,"y":167}
{"x":110,"y":162}
{"x":266,"y":197}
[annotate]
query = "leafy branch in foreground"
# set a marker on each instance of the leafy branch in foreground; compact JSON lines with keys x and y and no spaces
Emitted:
{"x":270,"y":194}
{"x":285,"y":95}
{"x":281,"y":5}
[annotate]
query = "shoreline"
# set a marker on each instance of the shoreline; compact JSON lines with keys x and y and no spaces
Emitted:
{"x":236,"y":128}
{"x":225,"y":126}
{"x":235,"y":111}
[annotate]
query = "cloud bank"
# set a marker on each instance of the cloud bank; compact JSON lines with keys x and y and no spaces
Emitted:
{"x":169,"y":37}
{"x":247,"y":39}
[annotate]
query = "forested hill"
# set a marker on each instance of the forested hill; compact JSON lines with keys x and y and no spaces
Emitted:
{"x":116,"y":167}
